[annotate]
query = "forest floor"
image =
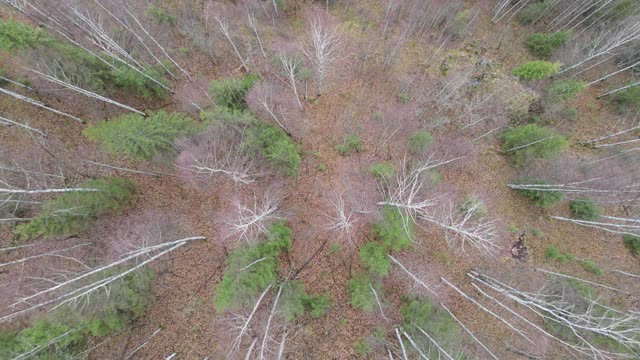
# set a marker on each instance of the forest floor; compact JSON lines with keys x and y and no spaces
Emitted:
{"x":185,"y":284}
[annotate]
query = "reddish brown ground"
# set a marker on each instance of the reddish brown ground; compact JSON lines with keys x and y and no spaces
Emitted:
{"x":186,"y":281}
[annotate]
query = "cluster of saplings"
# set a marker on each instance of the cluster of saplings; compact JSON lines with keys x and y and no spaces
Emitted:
{"x":65,"y":332}
{"x":535,"y":135}
{"x":91,"y":70}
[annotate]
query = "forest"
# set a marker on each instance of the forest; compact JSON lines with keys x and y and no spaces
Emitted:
{"x":320,"y":179}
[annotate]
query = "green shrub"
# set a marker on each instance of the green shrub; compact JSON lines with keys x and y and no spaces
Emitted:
{"x":383,"y":170}
{"x":625,"y":101}
{"x":543,"y":45}
{"x":274,"y":145}
{"x":75,"y":211}
{"x":419,"y":142}
{"x":632,"y":243}
{"x":592,"y":267}
{"x":241,"y":284}
{"x":317,"y":305}
{"x":15,"y":36}
{"x":527,"y":142}
{"x":474,"y":205}
{"x":292,"y":300}
{"x":141,"y":138}
{"x":360,"y":293}
{"x":533,"y":11}
{"x":585,"y":209}
{"x":420,"y":313}
{"x":553,"y":253}
{"x":133,"y":81}
{"x":363,"y":347}
{"x":393,"y":230}
{"x":566,"y":89}
{"x":79,"y":65}
{"x":352,"y":143}
{"x":231,"y":92}
{"x":373,"y":256}
{"x":536,"y":70}
{"x":160,"y":15}
{"x":126,"y":301}
{"x":542,"y":198}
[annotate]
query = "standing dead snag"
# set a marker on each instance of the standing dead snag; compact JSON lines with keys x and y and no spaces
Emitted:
{"x":465,"y":225}
{"x":321,"y":48}
{"x":268,"y":99}
{"x":223,"y":27}
{"x":217,"y":151}
{"x":343,"y":220}
{"x":290,"y":67}
{"x":405,"y":193}
{"x":253,"y":220}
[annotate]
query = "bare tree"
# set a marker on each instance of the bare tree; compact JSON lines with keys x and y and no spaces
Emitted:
{"x":290,"y":67}
{"x":321,"y":48}
{"x":466,"y":224}
{"x":343,"y":219}
{"x":253,"y":219}
{"x":267,"y":98}
{"x":217,"y":151}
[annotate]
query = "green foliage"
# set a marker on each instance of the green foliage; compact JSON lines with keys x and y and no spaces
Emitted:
{"x":592,"y":267}
{"x":160,"y":15}
{"x":360,"y":293}
{"x":363,"y":347}
{"x":537,"y":232}
{"x":282,"y":5}
{"x":241,"y":284}
{"x":274,"y":145}
{"x":632,"y":243}
{"x":292,"y":300}
{"x":585,"y":209}
{"x":536,"y":70}
{"x":473,"y":204}
{"x":420,"y":313}
{"x":553,"y":253}
{"x":527,"y":142}
{"x":126,"y":301}
{"x":532,"y":12}
{"x":15,"y":36}
{"x":373,"y":256}
{"x":417,"y":312}
{"x":352,"y":143}
{"x":404,"y":98}
{"x":231,"y":92}
{"x":625,"y":101}
{"x":141,"y":138}
{"x":317,"y":305}
{"x":393,"y":230}
{"x":566,"y":89}
{"x":75,"y":211}
{"x":419,"y":142}
{"x":133,"y":81}
{"x":226,"y":116}
{"x":383,"y":170}
{"x":81,"y":66}
{"x":543,"y":45}
{"x":541,"y":198}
